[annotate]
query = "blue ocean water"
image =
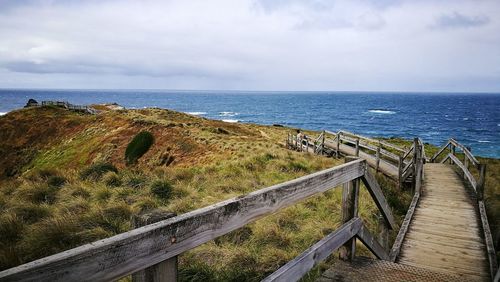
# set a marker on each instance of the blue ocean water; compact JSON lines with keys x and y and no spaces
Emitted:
{"x":473,"y":119}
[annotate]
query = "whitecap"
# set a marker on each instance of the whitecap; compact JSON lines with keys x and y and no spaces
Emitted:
{"x":2,"y":113}
{"x":196,"y":113}
{"x":465,"y":119}
{"x":230,"y":120}
{"x":228,"y":114}
{"x":484,"y":141}
{"x":381,"y":111}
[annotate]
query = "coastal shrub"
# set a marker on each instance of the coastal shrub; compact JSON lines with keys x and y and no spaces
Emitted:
{"x":37,"y":193}
{"x":112,"y":179}
{"x":139,"y":145}
{"x":161,"y":189}
{"x":30,"y":213}
{"x":56,"y":181}
{"x":10,"y":228}
{"x":95,"y":171}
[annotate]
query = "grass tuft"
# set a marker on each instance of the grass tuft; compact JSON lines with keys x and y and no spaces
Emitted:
{"x":96,"y":171}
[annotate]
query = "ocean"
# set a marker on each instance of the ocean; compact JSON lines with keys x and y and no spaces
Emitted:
{"x":472,"y":119}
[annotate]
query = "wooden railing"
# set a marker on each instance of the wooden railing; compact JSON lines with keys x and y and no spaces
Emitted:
{"x":477,"y":185}
{"x":378,"y":149}
{"x":418,"y":161}
{"x":148,"y":246}
{"x":70,"y":106}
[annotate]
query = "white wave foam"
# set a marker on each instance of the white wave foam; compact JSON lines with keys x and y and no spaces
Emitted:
{"x":196,"y":113}
{"x":465,"y":119}
{"x":484,"y":141}
{"x":386,"y":112}
{"x":230,"y":120}
{"x":2,"y":113}
{"x":228,"y":114}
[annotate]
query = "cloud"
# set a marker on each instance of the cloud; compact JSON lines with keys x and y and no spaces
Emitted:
{"x":457,"y":20}
{"x":250,"y":44}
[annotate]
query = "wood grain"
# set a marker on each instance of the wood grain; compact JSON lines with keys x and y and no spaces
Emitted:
{"x":126,"y":253}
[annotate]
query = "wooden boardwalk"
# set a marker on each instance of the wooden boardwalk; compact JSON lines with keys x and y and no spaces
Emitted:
{"x":445,"y":233}
{"x":444,"y":241}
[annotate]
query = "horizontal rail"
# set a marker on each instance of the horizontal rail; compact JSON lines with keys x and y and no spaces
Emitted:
{"x":388,"y":145}
{"x":466,"y":151}
{"x":467,"y":173}
{"x":490,"y":248}
{"x":296,"y":268}
{"x":129,"y":252}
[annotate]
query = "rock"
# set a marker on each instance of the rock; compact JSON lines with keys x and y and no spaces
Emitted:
{"x":31,"y":103}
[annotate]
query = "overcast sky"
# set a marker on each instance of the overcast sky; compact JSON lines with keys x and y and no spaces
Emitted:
{"x":367,"y":45}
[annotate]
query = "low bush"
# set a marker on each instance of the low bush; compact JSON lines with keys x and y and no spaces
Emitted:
{"x":139,"y":145}
{"x":161,"y":189}
{"x":112,"y":179}
{"x":96,"y":171}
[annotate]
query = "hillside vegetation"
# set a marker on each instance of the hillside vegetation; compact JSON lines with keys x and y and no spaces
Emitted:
{"x":66,"y":179}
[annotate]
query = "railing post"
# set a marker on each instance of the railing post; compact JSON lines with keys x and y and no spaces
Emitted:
{"x":415,"y":161}
{"x":480,"y":182}
{"x":400,"y":172}
{"x":378,"y":157}
{"x":323,"y":143}
{"x":357,"y":147}
{"x":350,"y":192}
{"x":165,"y":271}
{"x":466,"y":160}
{"x":339,"y":134}
{"x":307,"y":144}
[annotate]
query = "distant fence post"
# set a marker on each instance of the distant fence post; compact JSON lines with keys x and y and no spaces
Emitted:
{"x":339,"y":134}
{"x":466,"y":160}
{"x":400,"y":172}
{"x":378,"y":157}
{"x":350,"y":192}
{"x":480,"y":182}
{"x":323,"y":143}
{"x":165,"y":271}
{"x":357,"y":147}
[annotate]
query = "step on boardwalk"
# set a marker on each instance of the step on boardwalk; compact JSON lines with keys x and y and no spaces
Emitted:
{"x":445,"y":234}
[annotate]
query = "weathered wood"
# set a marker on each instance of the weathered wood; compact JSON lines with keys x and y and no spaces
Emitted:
{"x":396,"y":247}
{"x":350,"y":192}
{"x":378,"y":159}
{"x":467,"y":173}
{"x":388,"y":145}
{"x":165,"y":271}
{"x":433,"y":159}
{"x":296,"y":268}
{"x":137,"y":249}
{"x":338,"y":144}
{"x":378,"y":197}
{"x":357,"y":148}
{"x":480,"y":182}
{"x":490,"y":248}
{"x":371,"y":243}
{"x":444,"y":234}
{"x":467,"y":151}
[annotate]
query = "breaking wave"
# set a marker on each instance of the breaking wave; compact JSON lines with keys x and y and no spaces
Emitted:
{"x":381,"y":111}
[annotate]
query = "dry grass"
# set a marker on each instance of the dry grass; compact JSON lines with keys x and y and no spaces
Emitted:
{"x":48,"y":207}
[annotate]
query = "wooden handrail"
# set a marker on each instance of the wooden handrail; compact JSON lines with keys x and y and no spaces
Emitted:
{"x":146,"y":246}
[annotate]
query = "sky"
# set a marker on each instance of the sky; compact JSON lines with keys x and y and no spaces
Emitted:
{"x":315,"y":45}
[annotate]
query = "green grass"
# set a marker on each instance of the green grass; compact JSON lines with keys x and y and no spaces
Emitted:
{"x":69,"y":194}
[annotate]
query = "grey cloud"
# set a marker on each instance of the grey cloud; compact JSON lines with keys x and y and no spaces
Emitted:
{"x":458,"y":20}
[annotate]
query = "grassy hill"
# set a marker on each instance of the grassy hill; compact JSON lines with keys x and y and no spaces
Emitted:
{"x":65,"y":181}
